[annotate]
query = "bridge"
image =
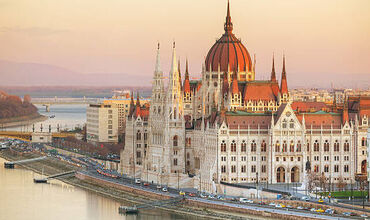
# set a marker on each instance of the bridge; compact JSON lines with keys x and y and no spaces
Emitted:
{"x":45,"y":180}
{"x":12,"y":163}
{"x":27,"y":136}
{"x":47,"y":102}
{"x":151,"y":205}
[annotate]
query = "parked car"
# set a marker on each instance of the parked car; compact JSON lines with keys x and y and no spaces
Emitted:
{"x":243,"y":200}
{"x":250,"y":201}
{"x":202,"y":195}
{"x":300,"y":208}
{"x":272,"y":204}
{"x":211,"y":196}
{"x":261,"y":203}
{"x":137,"y":181}
{"x":320,"y":210}
{"x":329,"y":211}
{"x":192,"y":194}
{"x":146,"y":184}
{"x":164,"y":189}
{"x":159,"y":187}
{"x":320,"y":201}
{"x":313,"y":210}
{"x":306,"y":198}
{"x":181,"y":193}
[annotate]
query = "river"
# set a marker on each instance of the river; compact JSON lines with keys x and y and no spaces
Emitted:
{"x":20,"y":199}
{"x":66,"y":116}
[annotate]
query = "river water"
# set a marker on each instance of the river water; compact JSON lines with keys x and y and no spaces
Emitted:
{"x":20,"y":199}
{"x":66,"y":116}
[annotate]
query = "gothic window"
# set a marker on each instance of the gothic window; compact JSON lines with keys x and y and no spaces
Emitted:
{"x":291,"y":146}
{"x":263,"y":146}
{"x":145,"y":136}
{"x":159,"y":109}
{"x":263,"y":168}
{"x":346,"y":168}
{"x":316,"y":169}
{"x":223,"y":146}
{"x":233,"y":168}
{"x":316,"y":146}
{"x":326,"y":168}
{"x":284,"y":125}
{"x":253,"y":146}
{"x":243,"y":147}
{"x":363,"y":142}
{"x":138,"y":135}
{"x":174,"y":113}
{"x":233,"y":146}
{"x":346,"y":146}
{"x":244,"y":169}
{"x":277,"y":146}
{"x":291,"y":124}
{"x":188,"y":141}
{"x":223,"y":169}
{"x":175,"y":140}
{"x":326,"y":146}
{"x":299,"y":146}
{"x":253,"y":168}
{"x":285,"y":146}
{"x":308,"y":146}
{"x":175,"y":162}
{"x":336,"y":146}
{"x":336,"y":168}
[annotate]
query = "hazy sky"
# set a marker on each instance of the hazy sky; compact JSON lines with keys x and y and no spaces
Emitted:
{"x":324,"y":40}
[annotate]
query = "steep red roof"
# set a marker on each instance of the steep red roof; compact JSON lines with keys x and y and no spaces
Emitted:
{"x":259,"y":91}
{"x":187,"y":82}
{"x":309,"y":106}
{"x":321,"y":119}
{"x":284,"y":83}
{"x":234,"y":85}
{"x":233,"y":120}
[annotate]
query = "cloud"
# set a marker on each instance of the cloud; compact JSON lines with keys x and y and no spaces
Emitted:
{"x":36,"y":31}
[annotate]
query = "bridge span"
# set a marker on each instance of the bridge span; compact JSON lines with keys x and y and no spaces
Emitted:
{"x":11,"y":164}
{"x":45,"y":180}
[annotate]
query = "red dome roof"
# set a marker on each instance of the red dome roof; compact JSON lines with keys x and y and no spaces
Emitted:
{"x":228,"y":51}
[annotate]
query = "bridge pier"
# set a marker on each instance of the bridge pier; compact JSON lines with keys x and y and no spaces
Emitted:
{"x":47,"y":106}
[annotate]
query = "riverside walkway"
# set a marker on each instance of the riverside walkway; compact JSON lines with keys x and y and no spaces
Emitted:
{"x":12,"y":163}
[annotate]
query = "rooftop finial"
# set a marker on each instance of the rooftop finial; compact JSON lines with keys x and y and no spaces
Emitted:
{"x":174,"y":44}
{"x":273,"y":75}
{"x":228,"y":24}
{"x":158,"y":45}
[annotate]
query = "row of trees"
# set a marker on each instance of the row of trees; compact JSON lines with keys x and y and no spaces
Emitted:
{"x":316,"y":180}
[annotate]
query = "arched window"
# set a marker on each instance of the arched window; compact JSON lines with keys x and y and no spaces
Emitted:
{"x":233,"y":146}
{"x":291,"y":146}
{"x":346,"y":146}
{"x":308,"y":146}
{"x":175,"y":140}
{"x":263,"y":146}
{"x":363,"y":142}
{"x":285,"y":146}
{"x":138,"y":135}
{"x":244,"y":147}
{"x":299,"y":146}
{"x":253,"y":146}
{"x":174,"y":113}
{"x":223,"y":146}
{"x":326,"y":146}
{"x":277,"y":146}
{"x":336,"y":146}
{"x":159,"y":109}
{"x":316,"y":146}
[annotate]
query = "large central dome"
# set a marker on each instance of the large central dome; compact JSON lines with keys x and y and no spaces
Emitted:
{"x":228,"y":52}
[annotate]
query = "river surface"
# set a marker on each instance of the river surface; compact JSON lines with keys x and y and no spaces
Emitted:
{"x":64,"y":116}
{"x":20,"y":199}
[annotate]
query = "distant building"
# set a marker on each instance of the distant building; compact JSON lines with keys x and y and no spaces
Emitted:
{"x":102,"y":123}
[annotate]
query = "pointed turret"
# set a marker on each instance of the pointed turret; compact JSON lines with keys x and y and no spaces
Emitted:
{"x":225,"y":85}
{"x":179,"y":69}
{"x":157,"y":62}
{"x":132,"y":104}
{"x":345,"y":117}
{"x":273,"y":75}
{"x":234,"y":86}
{"x":284,"y":84}
{"x":187,"y":81}
{"x":138,"y":106}
{"x":174,"y":70}
{"x":228,"y":27}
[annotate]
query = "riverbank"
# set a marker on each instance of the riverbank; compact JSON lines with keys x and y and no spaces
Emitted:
{"x":22,"y":121}
{"x":52,"y":166}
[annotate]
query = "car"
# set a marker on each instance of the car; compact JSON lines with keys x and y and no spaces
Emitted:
{"x":306,"y":198}
{"x":261,"y":203}
{"x":164,"y":189}
{"x":159,"y":187}
{"x":300,"y":208}
{"x":211,"y":196}
{"x":181,"y":193}
{"x":192,"y":194}
{"x":250,"y":201}
{"x":289,"y":206}
{"x":313,"y":210}
{"x":347,"y":213}
{"x":137,"y":181}
{"x":320,"y":210}
{"x":272,"y":204}
{"x":363,"y":216}
{"x":279,"y":206}
{"x":329,"y":211}
{"x":243,"y":200}
{"x":202,"y":195}
{"x":146,"y":184}
{"x":320,"y":201}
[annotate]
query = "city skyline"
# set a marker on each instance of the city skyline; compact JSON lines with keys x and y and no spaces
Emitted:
{"x":86,"y":39}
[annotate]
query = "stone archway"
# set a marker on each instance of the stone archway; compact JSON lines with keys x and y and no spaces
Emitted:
{"x":280,"y":175}
{"x":294,"y":175}
{"x":363,"y":167}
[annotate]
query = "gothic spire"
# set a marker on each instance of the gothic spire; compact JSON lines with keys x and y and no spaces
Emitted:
{"x":179,"y":69}
{"x":284,"y":84}
{"x":273,"y":75}
{"x":157,"y":63}
{"x":228,"y":24}
{"x":187,"y":81}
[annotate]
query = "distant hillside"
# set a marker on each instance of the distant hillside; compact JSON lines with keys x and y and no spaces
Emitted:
{"x":36,"y":74}
{"x":12,"y":106}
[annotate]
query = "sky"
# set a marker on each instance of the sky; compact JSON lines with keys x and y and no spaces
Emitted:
{"x":324,"y":41}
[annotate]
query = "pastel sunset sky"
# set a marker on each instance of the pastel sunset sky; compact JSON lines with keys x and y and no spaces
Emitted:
{"x":324,"y":40}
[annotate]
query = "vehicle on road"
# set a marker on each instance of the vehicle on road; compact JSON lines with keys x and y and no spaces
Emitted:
{"x":300,"y":208}
{"x":146,"y":184}
{"x":320,"y":210}
{"x":313,"y":210}
{"x":211,"y":197}
{"x":261,"y":203}
{"x":202,"y":195}
{"x":280,"y":206}
{"x":348,"y":214}
{"x":272,"y":204}
{"x":250,"y":201}
{"x":159,"y":187}
{"x":181,"y":193}
{"x":363,"y":216}
{"x":320,"y":201}
{"x":164,"y":189}
{"x":243,"y":200}
{"x":329,"y":211}
{"x":137,"y":181}
{"x":192,"y":194}
{"x":306,"y":198}
{"x":289,"y":206}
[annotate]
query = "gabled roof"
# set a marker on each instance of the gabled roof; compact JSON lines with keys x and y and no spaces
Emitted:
{"x":260,"y":90}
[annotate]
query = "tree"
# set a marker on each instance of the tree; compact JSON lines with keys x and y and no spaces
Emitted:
{"x":341,"y":184}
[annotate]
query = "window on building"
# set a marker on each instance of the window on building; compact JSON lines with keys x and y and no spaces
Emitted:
{"x":346,"y":146}
{"x":138,"y":135}
{"x":233,"y":169}
{"x":336,"y":146}
{"x":223,"y":146}
{"x":326,"y":146}
{"x":253,"y":168}
{"x":316,"y":146}
{"x":277,"y":146}
{"x":244,"y":147}
{"x":277,"y":159}
{"x":233,"y":158}
{"x":291,"y":146}
{"x":253,"y":146}
{"x":233,"y":146}
{"x":263,"y":168}
{"x":175,"y":140}
{"x":145,"y":136}
{"x":299,"y":146}
{"x":346,"y":168}
{"x":223,"y":169}
{"x":326,"y":168}
{"x":244,"y":169}
{"x":138,"y":154}
{"x":363,"y":142}
{"x":285,"y":146}
{"x":308,"y":146}
{"x":263,"y":146}
{"x":316,"y":169}
{"x":336,"y":168}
